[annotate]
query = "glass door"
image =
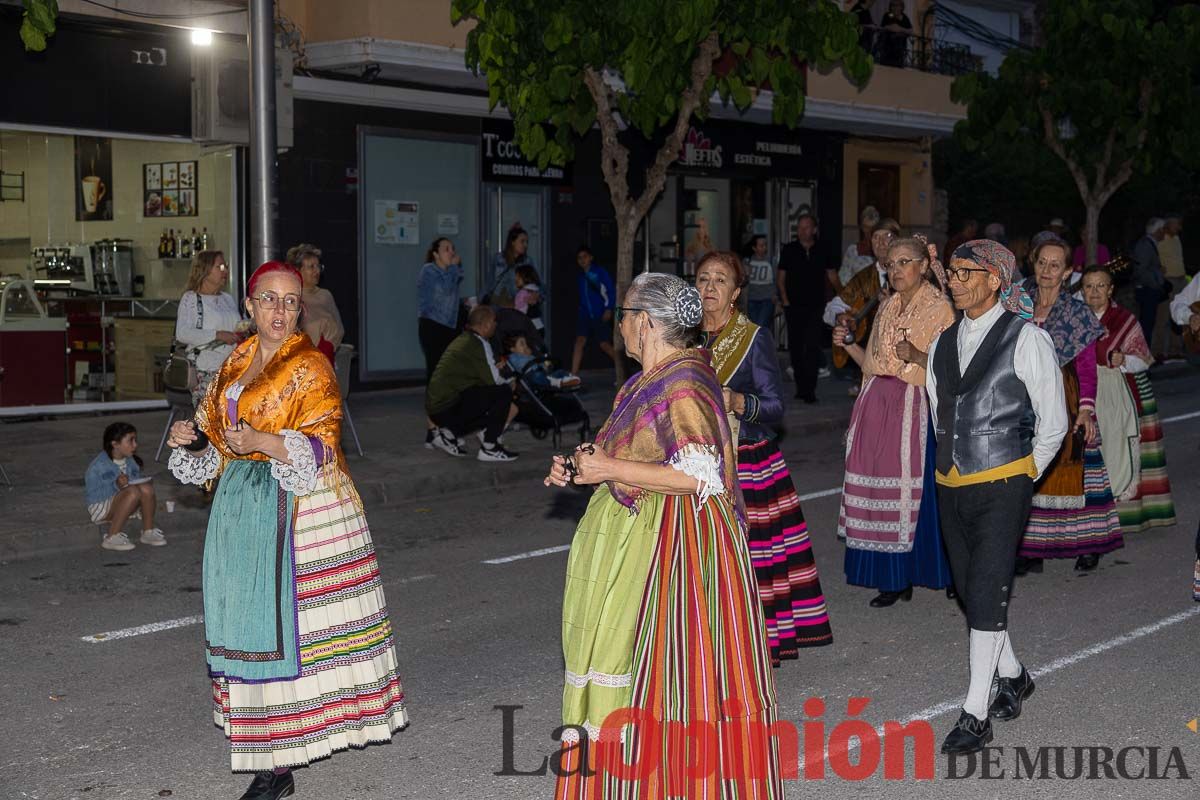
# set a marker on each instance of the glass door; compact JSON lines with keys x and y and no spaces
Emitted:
{"x":506,"y":206}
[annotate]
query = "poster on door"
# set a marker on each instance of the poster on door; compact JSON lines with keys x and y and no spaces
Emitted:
{"x":397,"y":222}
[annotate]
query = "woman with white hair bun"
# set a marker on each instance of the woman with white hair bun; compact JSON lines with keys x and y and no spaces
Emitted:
{"x":661,"y":616}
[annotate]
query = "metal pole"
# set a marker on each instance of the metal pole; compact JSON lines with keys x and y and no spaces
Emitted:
{"x":263,"y":184}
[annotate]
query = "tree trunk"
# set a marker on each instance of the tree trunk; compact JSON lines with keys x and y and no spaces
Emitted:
{"x":1093,"y":229}
{"x":626,"y":233}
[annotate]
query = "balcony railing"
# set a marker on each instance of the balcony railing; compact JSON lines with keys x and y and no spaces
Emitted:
{"x":906,"y":51}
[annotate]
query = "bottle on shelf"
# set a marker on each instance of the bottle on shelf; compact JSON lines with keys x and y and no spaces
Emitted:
{"x":172,"y":245}
{"x":204,"y":240}
{"x":185,"y":245}
{"x":162,"y":244}
{"x":197,"y":245}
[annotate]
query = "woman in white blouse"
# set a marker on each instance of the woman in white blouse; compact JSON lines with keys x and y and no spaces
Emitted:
{"x":208,"y":318}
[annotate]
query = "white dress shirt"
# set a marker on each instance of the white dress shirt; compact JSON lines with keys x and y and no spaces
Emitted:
{"x":838,"y":306}
{"x":1181,"y":310}
{"x":1037,"y":367}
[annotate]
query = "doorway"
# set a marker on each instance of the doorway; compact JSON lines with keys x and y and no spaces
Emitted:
{"x":879,"y":186}
{"x":503,"y":207}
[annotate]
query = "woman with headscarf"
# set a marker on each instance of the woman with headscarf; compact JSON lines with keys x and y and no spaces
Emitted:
{"x":1073,"y":514}
{"x":298,"y":639}
{"x":889,"y":514}
{"x":745,"y":360}
{"x":1127,"y":412}
{"x":662,"y":626}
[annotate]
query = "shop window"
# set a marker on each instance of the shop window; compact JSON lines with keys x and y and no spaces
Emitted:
{"x":879,"y":186}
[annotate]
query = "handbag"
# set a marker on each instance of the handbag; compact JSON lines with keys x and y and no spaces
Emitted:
{"x":179,"y":372}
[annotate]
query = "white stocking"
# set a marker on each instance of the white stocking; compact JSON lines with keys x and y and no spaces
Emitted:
{"x":985,"y":653}
{"x":1008,"y":667}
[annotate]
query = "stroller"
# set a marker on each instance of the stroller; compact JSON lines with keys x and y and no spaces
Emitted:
{"x":549,"y":409}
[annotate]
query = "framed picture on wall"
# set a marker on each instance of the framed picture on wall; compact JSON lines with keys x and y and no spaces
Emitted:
{"x":170,"y":189}
{"x":93,"y":178}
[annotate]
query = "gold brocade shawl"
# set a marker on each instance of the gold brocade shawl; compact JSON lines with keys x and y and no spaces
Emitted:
{"x":927,"y":315}
{"x":660,"y":413}
{"x":730,"y":347}
{"x":296,"y":390}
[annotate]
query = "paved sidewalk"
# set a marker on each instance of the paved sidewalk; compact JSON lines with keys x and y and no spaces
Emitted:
{"x":44,"y":512}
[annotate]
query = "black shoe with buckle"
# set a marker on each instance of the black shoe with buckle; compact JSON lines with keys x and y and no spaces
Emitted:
{"x":1010,"y":693}
{"x":885,"y":599}
{"x":269,"y":786}
{"x":970,"y":735}
{"x":1087,"y":563}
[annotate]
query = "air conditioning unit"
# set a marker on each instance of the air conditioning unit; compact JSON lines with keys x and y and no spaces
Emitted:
{"x":221,"y":94}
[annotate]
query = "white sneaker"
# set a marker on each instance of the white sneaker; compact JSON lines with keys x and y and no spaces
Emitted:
{"x":154,"y":537}
{"x":823,"y":372}
{"x":448,"y":445}
{"x":495,"y":453}
{"x":117,"y":541}
{"x":482,"y":443}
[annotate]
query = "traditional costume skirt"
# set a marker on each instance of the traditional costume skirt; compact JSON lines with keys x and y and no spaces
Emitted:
{"x":1073,"y":512}
{"x":889,"y":514}
{"x":780,"y":550}
{"x":299,"y":643}
{"x":1150,"y":504}
{"x":661,"y":620}
{"x":926,"y":564}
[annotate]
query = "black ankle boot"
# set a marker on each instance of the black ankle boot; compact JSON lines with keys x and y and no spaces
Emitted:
{"x":1087,"y":563}
{"x":269,"y":786}
{"x":1028,"y":565}
{"x":885,"y":599}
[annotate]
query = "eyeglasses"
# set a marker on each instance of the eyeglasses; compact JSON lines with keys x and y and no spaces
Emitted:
{"x":900,"y":263}
{"x":222,"y":266}
{"x":1041,"y":262}
{"x":962,"y":274}
{"x":270,"y":300}
{"x":622,"y":309}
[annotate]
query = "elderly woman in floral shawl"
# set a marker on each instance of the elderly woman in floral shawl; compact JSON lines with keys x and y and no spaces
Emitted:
{"x":889,"y":514}
{"x":1074,"y":514}
{"x":662,"y":627}
{"x":297,"y":634}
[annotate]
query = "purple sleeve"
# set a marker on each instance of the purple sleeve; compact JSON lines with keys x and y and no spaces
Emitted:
{"x":318,"y":450}
{"x":1085,"y":368}
{"x":767,"y":382}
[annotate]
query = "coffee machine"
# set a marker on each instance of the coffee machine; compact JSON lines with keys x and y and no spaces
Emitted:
{"x":112,"y":266}
{"x":105,"y":267}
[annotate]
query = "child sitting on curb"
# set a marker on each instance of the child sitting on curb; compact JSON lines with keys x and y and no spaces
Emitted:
{"x":117,"y":491}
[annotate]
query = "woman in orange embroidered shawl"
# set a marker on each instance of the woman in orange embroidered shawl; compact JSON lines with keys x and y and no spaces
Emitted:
{"x":297,"y":635}
{"x":662,"y":625}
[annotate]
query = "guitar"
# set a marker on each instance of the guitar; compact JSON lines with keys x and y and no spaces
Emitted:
{"x":859,"y":327}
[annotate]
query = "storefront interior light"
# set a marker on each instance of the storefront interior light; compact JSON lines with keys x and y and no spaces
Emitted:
{"x":201,"y":37}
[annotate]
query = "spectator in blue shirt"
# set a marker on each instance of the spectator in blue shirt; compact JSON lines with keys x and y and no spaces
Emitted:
{"x":597,"y":299}
{"x":437,"y":308}
{"x":115,"y":490}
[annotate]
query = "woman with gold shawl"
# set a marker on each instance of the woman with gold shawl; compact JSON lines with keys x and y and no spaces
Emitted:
{"x":298,"y":640}
{"x":747,"y":365}
{"x":662,"y":627}
{"x":889,"y":513}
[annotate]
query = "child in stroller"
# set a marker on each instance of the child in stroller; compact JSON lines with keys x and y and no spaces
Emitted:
{"x":546,"y":398}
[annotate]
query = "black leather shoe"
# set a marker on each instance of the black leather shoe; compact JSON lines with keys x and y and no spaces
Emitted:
{"x":970,"y":735}
{"x":1010,"y":693}
{"x":269,"y":786}
{"x":885,"y":599}
{"x":1087,"y":563}
{"x":1028,"y":565}
{"x":951,"y":594}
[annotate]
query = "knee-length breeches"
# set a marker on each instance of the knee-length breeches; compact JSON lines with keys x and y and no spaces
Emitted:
{"x":982,"y":525}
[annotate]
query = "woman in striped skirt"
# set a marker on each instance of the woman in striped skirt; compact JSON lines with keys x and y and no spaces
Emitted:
{"x":298,"y":640}
{"x":746,"y":363}
{"x":1134,"y":455}
{"x":663,"y":634}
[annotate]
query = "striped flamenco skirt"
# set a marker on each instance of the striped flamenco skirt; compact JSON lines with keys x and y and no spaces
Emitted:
{"x":662,"y":628}
{"x":788,"y":584}
{"x":1069,"y":527}
{"x":347,"y":693}
{"x":1152,"y":505}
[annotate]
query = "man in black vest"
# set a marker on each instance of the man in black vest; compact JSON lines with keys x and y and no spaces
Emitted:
{"x":999,"y":413}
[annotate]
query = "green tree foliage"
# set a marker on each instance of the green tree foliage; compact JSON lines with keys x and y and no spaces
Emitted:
{"x":1110,"y":91}
{"x":646,"y":67}
{"x":37,"y":23}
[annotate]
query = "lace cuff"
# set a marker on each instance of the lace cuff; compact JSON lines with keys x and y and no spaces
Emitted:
{"x":299,"y":477}
{"x":703,"y":464}
{"x":198,"y":470}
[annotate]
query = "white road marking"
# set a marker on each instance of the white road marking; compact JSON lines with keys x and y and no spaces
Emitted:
{"x":825,"y":493}
{"x":545,"y":551}
{"x":1182,"y":417}
{"x":412,"y":579}
{"x":153,"y":627}
{"x":932,"y":712}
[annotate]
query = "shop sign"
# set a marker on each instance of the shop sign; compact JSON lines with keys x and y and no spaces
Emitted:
{"x":746,"y":147}
{"x":502,"y":160}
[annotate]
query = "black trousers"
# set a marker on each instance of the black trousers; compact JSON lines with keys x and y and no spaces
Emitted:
{"x":804,"y":328}
{"x":483,"y":407}
{"x":982,"y":525}
{"x":434,"y":338}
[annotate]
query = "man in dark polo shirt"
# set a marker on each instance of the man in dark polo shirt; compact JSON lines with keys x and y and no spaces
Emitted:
{"x":805,"y":271}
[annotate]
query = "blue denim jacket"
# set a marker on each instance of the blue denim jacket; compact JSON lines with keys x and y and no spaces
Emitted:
{"x":100,"y":480}
{"x":437,"y":293}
